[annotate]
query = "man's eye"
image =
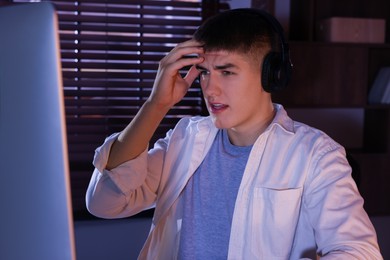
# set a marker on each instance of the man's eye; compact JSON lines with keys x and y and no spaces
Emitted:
{"x":227,"y":73}
{"x":204,"y":73}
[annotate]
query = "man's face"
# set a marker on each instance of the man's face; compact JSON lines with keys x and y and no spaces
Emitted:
{"x":231,"y":85}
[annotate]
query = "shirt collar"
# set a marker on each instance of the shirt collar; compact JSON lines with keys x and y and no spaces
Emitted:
{"x":282,"y":120}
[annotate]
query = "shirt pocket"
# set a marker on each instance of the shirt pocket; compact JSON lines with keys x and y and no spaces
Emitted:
{"x":274,"y":218}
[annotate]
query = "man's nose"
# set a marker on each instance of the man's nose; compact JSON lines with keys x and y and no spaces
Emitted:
{"x":210,"y":85}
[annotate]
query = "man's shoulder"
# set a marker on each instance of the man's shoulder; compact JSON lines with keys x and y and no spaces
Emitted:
{"x":315,"y":137}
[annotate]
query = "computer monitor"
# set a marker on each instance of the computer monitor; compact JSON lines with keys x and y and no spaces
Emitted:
{"x":35,"y":203}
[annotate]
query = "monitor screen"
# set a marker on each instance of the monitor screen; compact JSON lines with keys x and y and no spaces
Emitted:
{"x":35,"y":203}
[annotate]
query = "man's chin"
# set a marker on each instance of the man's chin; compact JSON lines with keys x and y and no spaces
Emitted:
{"x":218,"y":123}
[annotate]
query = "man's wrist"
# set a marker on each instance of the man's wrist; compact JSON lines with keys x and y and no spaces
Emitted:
{"x":156,"y":108}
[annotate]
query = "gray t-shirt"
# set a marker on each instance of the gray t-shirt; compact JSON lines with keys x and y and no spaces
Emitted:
{"x":209,"y":199}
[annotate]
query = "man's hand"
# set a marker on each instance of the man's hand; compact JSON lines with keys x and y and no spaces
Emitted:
{"x":169,"y":86}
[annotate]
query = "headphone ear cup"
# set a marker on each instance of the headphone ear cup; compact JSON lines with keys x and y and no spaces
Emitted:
{"x":276,"y":72}
{"x":271,"y":72}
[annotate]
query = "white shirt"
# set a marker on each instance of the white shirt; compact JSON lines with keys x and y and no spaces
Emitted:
{"x":297,"y":197}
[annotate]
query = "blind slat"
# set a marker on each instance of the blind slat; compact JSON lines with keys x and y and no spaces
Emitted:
{"x":129,"y":9}
{"x":156,"y":21}
{"x":141,"y":3}
{"x":112,"y":56}
{"x":80,"y":47}
{"x":116,"y":33}
{"x":108,"y":65}
{"x":104,"y":83}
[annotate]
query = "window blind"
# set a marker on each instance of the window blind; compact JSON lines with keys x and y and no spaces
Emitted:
{"x":110,"y":52}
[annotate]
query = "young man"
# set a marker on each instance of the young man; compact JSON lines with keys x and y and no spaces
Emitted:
{"x":247,"y":182}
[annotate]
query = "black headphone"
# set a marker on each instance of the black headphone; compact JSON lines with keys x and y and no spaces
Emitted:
{"x":277,"y":66}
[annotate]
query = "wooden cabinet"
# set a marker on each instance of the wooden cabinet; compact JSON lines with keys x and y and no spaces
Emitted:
{"x":305,"y":15}
{"x":339,"y":76}
{"x":326,"y":75}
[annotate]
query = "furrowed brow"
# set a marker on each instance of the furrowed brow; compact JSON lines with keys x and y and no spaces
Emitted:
{"x":218,"y":67}
{"x":225,"y":66}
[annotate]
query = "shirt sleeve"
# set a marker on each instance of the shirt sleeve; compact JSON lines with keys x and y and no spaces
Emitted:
{"x":127,"y":189}
{"x":342,"y":228}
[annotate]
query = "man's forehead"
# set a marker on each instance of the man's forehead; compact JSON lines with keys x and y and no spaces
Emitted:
{"x":224,"y":56}
{"x":221,"y":53}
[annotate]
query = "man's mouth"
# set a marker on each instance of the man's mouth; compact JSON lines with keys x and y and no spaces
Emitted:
{"x":217,"y":107}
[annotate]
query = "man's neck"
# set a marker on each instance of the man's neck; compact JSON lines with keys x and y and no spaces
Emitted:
{"x":246,"y":137}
